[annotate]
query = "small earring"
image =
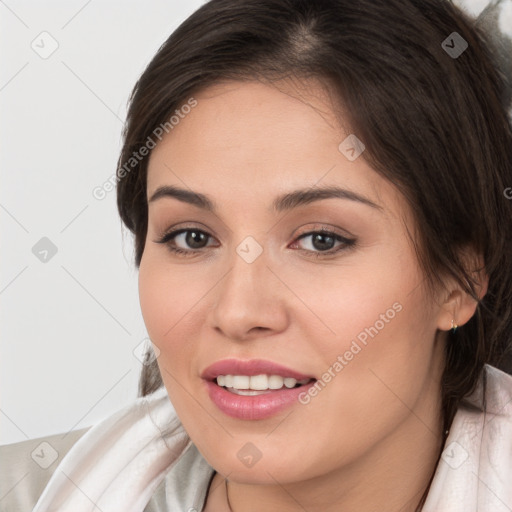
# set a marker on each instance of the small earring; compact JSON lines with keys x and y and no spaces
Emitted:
{"x":454,"y":326}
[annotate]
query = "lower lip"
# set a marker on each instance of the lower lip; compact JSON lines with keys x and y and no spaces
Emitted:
{"x":256,"y":407}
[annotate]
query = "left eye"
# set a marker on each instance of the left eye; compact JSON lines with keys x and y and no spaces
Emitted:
{"x":323,"y":241}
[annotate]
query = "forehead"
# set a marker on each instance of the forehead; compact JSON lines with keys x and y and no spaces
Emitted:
{"x":250,"y":114}
{"x":252,"y":139}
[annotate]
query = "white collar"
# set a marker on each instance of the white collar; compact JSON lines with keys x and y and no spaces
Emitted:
{"x":118,"y":464}
{"x":475,"y":470}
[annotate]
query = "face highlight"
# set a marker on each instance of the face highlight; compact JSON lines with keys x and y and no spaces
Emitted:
{"x":265,"y":242}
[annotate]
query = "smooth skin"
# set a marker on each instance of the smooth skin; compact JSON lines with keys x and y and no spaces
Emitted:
{"x":371,"y":438}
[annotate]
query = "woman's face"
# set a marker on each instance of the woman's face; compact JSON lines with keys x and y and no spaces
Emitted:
{"x":297,"y":262}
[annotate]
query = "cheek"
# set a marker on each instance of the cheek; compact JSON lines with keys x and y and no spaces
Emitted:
{"x":174,"y":304}
{"x":368,"y":295}
{"x":167,"y":295}
{"x":167,"y":298}
{"x":377,"y":366}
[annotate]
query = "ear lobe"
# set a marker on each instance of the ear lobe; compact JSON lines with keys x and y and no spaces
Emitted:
{"x":451,"y":309}
{"x":460,"y":306}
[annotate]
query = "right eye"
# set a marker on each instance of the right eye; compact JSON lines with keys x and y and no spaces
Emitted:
{"x":186,"y":241}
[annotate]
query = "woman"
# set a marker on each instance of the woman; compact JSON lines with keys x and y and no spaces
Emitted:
{"x":318,"y":194}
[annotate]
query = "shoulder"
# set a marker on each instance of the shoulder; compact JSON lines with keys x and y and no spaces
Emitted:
{"x":499,"y":385}
{"x":498,"y":393}
{"x":26,"y":467}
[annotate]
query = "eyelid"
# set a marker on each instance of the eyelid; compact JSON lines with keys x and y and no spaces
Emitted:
{"x":171,"y":233}
{"x":186,"y":226}
{"x":322,"y":228}
{"x":327,"y":232}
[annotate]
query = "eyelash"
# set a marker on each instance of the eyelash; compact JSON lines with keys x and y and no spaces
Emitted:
{"x":347,"y":243}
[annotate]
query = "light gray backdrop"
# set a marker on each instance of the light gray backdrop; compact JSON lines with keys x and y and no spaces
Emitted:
{"x":69,"y":311}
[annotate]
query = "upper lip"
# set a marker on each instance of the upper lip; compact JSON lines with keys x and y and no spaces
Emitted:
{"x":250,"y":368}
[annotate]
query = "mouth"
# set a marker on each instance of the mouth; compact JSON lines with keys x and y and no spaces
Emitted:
{"x":255,"y":385}
{"x":255,"y":389}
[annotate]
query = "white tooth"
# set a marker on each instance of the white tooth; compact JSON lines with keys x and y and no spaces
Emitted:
{"x":258,"y":382}
{"x":241,"y":381}
{"x":275,"y":382}
{"x":289,"y":382}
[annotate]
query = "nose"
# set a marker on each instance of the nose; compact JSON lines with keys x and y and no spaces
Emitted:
{"x":250,"y":302}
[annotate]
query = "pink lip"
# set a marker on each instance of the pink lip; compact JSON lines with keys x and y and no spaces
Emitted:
{"x":252,"y":367}
{"x":256,"y":407}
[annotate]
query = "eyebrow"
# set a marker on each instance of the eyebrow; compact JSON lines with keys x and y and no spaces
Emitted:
{"x":306,"y":196}
{"x":284,"y":202}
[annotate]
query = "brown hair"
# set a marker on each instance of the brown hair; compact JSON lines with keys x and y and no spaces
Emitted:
{"x":434,"y":125}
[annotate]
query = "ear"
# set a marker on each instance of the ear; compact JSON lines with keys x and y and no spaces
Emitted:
{"x":458,"y":306}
